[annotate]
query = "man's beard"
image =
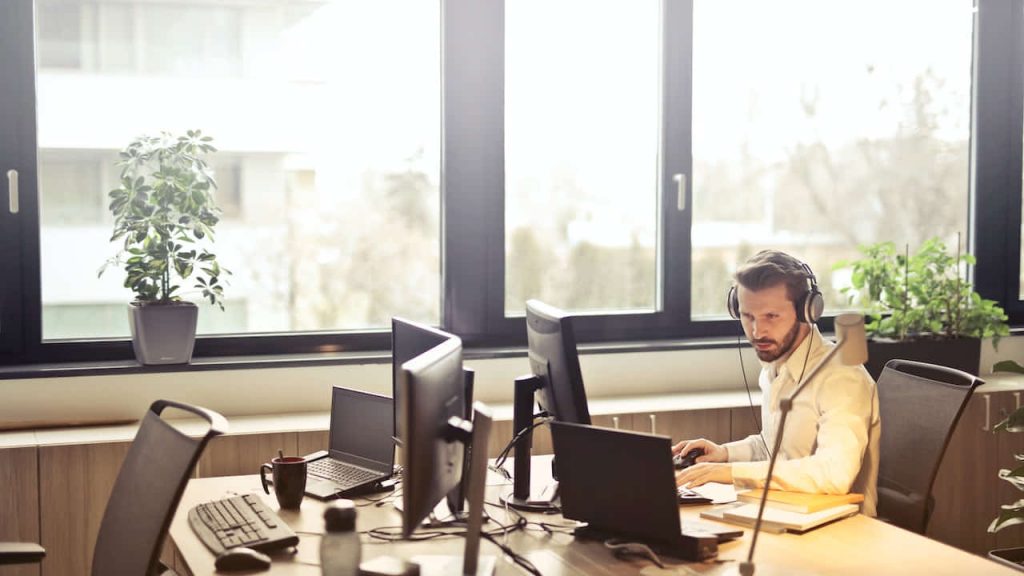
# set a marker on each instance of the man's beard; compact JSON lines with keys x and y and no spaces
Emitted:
{"x":787,"y":344}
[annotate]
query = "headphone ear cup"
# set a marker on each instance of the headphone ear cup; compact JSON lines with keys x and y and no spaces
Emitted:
{"x":732,"y":303}
{"x":814,"y":305}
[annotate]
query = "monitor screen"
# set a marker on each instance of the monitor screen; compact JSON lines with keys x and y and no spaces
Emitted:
{"x":553,"y":359}
{"x":432,"y":391}
{"x":409,"y":340}
{"x":361,"y":429}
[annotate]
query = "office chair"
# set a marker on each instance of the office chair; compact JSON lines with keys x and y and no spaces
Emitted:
{"x":145,"y":495}
{"x":920,"y":405}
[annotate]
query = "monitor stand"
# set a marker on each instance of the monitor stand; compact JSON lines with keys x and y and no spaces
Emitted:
{"x":471,"y":563}
{"x":522,"y":497}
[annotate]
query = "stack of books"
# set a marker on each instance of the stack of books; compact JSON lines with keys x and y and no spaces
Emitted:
{"x":787,"y":511}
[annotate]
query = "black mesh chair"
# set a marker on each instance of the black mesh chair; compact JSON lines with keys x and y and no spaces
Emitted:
{"x":920,"y":405}
{"x":145,"y":495}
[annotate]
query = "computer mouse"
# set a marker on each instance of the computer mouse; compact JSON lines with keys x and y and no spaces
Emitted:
{"x":680,"y":461}
{"x":241,"y":558}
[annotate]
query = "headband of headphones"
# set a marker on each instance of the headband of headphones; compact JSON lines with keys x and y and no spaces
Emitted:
{"x":809,"y":307}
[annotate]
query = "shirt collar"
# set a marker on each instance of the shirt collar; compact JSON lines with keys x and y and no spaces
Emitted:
{"x":793,"y":365}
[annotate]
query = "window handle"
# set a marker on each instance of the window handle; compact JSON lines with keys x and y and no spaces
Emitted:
{"x":680,"y":180}
{"x":12,"y":191}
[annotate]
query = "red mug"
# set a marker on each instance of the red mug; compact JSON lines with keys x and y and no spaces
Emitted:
{"x":289,"y":474}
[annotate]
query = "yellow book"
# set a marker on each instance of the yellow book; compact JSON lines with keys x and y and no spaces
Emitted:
{"x":798,"y":501}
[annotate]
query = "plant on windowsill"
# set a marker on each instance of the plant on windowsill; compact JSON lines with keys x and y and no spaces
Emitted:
{"x":164,"y":215}
{"x":920,"y":307}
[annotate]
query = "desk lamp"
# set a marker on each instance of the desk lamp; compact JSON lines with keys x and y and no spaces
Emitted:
{"x":851,"y":345}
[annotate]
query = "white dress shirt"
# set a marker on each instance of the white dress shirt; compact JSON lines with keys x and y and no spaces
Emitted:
{"x":830,"y":443}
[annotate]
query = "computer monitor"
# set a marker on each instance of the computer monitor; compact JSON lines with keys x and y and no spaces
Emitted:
{"x":433,"y":432}
{"x":555,"y":362}
{"x":556,"y":385}
{"x":408,"y":340}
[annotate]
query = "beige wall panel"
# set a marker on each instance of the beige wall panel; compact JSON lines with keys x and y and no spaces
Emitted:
{"x":743,"y":423}
{"x":311,"y":441}
{"x":243,"y":453}
{"x":712,"y":424}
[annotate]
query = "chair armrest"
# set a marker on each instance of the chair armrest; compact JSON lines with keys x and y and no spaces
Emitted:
{"x":21,"y":553}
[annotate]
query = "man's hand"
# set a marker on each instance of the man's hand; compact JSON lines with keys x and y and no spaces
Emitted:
{"x":712,"y":452}
{"x":699,"y":474}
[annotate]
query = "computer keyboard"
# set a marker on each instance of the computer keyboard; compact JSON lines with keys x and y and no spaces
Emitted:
{"x":240,"y":521}
{"x":341,"y":473}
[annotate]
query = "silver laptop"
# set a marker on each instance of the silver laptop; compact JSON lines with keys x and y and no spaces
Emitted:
{"x":361,"y":452}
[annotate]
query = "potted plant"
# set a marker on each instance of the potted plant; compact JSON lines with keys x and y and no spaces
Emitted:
{"x":1010,"y":514}
{"x":164,"y":215}
{"x":920,"y":307}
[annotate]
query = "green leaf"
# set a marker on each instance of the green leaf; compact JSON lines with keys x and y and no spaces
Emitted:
{"x":1012,"y":423}
{"x":1008,"y":366}
{"x":1008,"y":516}
{"x":1014,"y":477}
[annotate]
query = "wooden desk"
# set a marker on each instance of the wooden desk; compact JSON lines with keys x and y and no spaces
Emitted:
{"x":855,"y":546}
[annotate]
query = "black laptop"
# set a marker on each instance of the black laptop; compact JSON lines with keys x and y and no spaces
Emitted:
{"x":361,"y":453}
{"x":622,"y":484}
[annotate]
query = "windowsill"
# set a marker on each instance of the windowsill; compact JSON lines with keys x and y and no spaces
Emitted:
{"x":126,"y":367}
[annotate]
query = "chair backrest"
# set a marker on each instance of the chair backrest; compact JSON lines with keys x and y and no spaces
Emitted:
{"x":920,"y":405}
{"x":147,"y":490}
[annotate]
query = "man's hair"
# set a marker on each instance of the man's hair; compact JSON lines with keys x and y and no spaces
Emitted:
{"x":770,"y":268}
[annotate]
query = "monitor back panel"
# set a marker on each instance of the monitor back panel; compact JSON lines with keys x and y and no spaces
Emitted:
{"x":617,"y":481}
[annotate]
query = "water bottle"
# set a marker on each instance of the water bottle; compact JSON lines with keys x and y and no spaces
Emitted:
{"x":339,"y":548}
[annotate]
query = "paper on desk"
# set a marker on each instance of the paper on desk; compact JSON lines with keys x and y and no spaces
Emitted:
{"x":717,"y":492}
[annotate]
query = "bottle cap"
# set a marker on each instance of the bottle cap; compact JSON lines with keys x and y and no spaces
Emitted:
{"x":340,"y":516}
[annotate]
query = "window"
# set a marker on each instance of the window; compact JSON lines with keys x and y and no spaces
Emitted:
{"x":862,"y":139}
{"x":616,"y":158}
{"x":313,"y":165}
{"x":582,"y":154}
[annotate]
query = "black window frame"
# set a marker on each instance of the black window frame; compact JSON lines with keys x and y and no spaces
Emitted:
{"x":472,"y":217}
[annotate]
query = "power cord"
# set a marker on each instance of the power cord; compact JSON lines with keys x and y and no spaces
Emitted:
{"x":539,"y":419}
{"x":620,"y":548}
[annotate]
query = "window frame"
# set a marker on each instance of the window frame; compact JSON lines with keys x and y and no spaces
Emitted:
{"x":472,"y":195}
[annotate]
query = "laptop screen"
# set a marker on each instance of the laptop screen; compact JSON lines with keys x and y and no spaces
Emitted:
{"x":361,"y":426}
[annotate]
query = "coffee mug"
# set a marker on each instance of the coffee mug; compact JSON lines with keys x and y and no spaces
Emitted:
{"x":289,"y":473}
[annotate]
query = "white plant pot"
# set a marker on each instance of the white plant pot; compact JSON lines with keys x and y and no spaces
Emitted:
{"x":163,"y":333}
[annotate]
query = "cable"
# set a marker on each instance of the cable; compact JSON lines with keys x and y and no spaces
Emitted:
{"x":620,"y":548}
{"x":750,"y":398}
{"x":520,"y":560}
{"x":539,"y":419}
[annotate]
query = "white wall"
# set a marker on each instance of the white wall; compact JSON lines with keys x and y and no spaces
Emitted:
{"x":288,"y":390}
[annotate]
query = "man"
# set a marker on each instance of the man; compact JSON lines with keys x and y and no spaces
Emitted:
{"x":830,"y":442}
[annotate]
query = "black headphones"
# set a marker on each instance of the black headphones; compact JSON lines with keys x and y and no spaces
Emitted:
{"x":808,"y":308}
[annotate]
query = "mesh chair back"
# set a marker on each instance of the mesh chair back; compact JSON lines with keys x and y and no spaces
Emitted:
{"x":147,"y":490}
{"x":920,"y":405}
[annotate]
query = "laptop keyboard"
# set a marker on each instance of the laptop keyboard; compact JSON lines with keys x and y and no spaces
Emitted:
{"x":341,"y":473}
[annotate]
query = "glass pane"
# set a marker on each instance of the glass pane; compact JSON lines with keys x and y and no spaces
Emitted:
{"x":819,"y":126}
{"x":327,"y":120}
{"x":581,"y":153}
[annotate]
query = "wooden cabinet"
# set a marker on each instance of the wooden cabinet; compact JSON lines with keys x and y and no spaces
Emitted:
{"x":74,"y":485}
{"x":967,"y":490}
{"x":19,"y":502}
